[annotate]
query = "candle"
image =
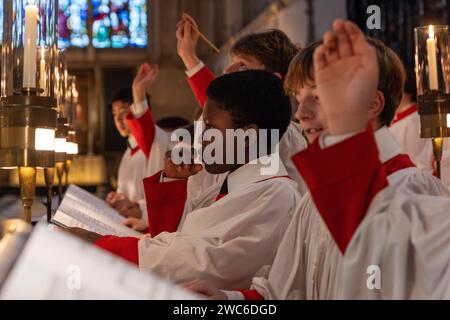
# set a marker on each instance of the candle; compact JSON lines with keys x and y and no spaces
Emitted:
{"x":29,"y":55}
{"x":42,"y":74}
{"x":432,"y":63}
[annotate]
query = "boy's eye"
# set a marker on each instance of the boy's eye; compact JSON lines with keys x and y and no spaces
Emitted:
{"x":242,"y":66}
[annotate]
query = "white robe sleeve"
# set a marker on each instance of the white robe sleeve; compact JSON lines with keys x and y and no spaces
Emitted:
{"x":226,"y":243}
{"x":401,"y":249}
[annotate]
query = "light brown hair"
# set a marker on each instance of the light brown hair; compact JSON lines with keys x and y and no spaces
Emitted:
{"x":391,"y":79}
{"x":272,"y":48}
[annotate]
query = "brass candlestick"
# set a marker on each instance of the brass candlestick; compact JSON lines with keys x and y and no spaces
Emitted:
{"x":59,"y":174}
{"x":27,"y":179}
{"x":433,"y":93}
{"x":67,"y":167}
{"x":49,"y":175}
{"x":437,"y":152}
{"x":27,"y":104}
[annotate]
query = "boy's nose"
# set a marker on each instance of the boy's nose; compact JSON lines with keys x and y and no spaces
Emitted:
{"x":303,"y":113}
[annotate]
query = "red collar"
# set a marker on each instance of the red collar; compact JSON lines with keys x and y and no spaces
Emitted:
{"x":403,"y":114}
{"x":399,"y":162}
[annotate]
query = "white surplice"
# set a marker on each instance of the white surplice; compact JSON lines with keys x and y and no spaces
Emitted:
{"x":226,"y":241}
{"x":134,"y":168}
{"x":406,"y":132}
{"x":405,"y":235}
{"x":309,"y":265}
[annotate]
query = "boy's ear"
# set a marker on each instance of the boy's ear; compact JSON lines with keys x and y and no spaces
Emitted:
{"x":377,"y":106}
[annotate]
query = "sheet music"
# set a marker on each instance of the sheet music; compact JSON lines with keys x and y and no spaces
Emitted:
{"x":81,"y":209}
{"x":56,"y":265}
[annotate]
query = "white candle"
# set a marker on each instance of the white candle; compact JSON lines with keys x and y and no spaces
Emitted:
{"x":432,"y":63}
{"x":29,"y":55}
{"x":42,"y":73}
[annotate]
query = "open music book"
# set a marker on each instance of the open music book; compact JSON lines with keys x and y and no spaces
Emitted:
{"x":81,"y":209}
{"x":56,"y":265}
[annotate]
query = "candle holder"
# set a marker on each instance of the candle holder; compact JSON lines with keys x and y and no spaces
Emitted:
{"x":62,"y":131}
{"x":61,"y":153}
{"x":27,"y":102}
{"x":71,"y":105}
{"x":433,"y":85}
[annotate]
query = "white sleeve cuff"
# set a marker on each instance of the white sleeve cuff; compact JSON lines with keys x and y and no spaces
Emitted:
{"x":234,"y":295}
{"x":195,"y":70}
{"x":166,"y":179}
{"x":326,"y":141}
{"x":139,"y":108}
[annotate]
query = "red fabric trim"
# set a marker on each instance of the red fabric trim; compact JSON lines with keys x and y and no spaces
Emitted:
{"x":399,"y":162}
{"x":342,"y":189}
{"x":143,"y":130}
{"x":343,"y":180}
{"x":251,"y":294}
{"x":433,"y":165}
{"x":165,"y":203}
{"x":403,"y":114}
{"x":133,"y":151}
{"x":220,"y":196}
{"x":126,"y":248}
{"x":199,"y":83}
{"x":287,"y":177}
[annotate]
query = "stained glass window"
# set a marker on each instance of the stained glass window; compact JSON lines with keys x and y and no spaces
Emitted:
{"x":119,"y":23}
{"x":138,"y":23}
{"x":116,"y":23}
{"x":73,"y":16}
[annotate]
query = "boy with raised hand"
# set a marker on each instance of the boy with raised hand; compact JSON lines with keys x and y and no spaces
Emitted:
{"x":271,"y":51}
{"x":129,"y":199}
{"x":387,"y":221}
{"x":241,"y":220}
{"x":312,"y":261}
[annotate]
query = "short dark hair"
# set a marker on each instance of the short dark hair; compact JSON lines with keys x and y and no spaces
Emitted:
{"x":273,"y":48}
{"x":125,"y":95}
{"x":253,"y":97}
{"x":172,"y":122}
{"x":391,"y":79}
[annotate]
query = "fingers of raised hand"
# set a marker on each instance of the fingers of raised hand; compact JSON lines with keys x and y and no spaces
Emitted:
{"x":330,"y":41}
{"x":344,"y":44}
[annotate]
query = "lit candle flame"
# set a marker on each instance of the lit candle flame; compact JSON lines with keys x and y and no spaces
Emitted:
{"x":431,"y":32}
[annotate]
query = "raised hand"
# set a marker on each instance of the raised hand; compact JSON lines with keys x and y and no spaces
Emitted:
{"x":144,"y":79}
{"x":187,"y":39}
{"x":346,"y":74}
